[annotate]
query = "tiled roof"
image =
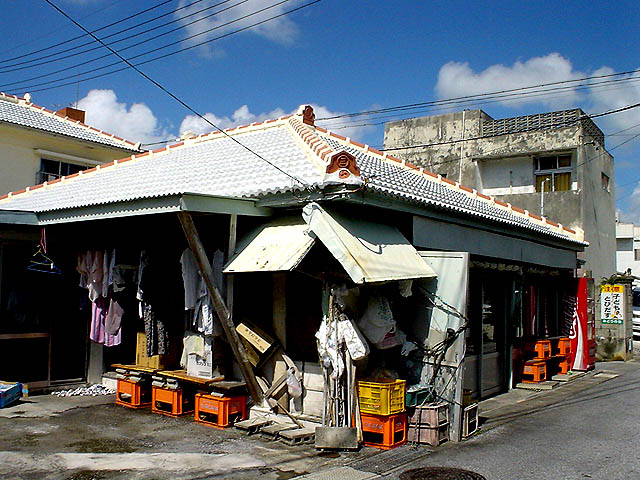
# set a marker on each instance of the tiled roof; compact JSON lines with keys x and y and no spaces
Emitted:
{"x":18,"y":111}
{"x":214,"y":164}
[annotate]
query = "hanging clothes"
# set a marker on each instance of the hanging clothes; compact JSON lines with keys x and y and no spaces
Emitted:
{"x":196,"y":294}
{"x":191,"y":278}
{"x":154,"y":330}
{"x":153,"y":303}
{"x":113,"y":320}
{"x":98,"y":333}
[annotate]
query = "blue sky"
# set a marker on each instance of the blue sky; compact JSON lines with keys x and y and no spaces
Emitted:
{"x":342,"y":57}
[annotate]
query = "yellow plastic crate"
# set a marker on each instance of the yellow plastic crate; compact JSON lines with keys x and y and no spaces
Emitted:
{"x":382,"y":397}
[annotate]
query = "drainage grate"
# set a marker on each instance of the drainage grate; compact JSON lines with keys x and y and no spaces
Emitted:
{"x":440,"y":473}
{"x":387,"y":460}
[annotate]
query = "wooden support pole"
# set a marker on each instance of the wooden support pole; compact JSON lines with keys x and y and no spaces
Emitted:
{"x":223,"y":313}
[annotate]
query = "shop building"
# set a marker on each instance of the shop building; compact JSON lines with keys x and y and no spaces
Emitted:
{"x":438,"y":278}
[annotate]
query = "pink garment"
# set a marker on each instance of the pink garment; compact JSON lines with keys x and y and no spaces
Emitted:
{"x":95,"y":260}
{"x":98,"y":333}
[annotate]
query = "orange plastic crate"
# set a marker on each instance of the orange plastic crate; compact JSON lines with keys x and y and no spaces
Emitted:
{"x":564,"y":346}
{"x":132,"y":394}
{"x":534,"y":372}
{"x":564,"y":366}
{"x":542,"y":349}
{"x":384,"y":431}
{"x":170,"y":402}
{"x":220,"y":412}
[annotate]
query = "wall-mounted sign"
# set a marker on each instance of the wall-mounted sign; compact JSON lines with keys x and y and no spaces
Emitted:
{"x":612,"y":304}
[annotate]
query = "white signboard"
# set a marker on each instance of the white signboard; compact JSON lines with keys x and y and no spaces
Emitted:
{"x":612,"y":304}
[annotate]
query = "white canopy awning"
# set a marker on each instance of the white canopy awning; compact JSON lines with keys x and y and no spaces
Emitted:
{"x":276,"y":246}
{"x":369,"y":252}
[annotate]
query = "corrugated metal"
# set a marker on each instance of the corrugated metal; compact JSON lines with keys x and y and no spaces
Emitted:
{"x":276,"y":246}
{"x":369,"y":252}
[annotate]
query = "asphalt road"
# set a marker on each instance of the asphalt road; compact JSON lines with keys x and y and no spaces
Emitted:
{"x":594,"y":434}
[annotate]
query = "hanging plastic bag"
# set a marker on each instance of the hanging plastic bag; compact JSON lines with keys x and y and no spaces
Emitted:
{"x":377,"y":320}
{"x":293,"y":384}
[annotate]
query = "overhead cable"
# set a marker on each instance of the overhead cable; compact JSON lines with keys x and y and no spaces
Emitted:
{"x":88,"y":72}
{"x":176,"y":98}
{"x":30,"y":64}
{"x":64,"y":42}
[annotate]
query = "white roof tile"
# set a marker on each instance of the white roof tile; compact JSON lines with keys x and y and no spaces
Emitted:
{"x":17,"y":111}
{"x":216,"y":165}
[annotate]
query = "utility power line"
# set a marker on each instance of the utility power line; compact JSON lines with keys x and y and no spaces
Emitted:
{"x":64,"y":42}
{"x":176,"y":98}
{"x":57,"y":31}
{"x":468,"y":103}
{"x":31,"y":63}
{"x":86,"y":62}
{"x":475,"y":96}
{"x":77,"y":76}
{"x":460,"y":140}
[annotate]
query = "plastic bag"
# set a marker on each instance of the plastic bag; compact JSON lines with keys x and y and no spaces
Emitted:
{"x":377,"y":320}
{"x":293,"y":384}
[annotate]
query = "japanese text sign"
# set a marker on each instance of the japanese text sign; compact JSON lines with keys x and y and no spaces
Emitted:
{"x":612,"y":304}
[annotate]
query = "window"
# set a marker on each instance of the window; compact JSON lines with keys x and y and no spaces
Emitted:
{"x":553,"y":173}
{"x":636,"y":254}
{"x":605,"y":181}
{"x":52,"y":169}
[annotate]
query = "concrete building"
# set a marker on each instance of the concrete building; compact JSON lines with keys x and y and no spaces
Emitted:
{"x":550,"y":164}
{"x":628,"y":248}
{"x":38,"y":145}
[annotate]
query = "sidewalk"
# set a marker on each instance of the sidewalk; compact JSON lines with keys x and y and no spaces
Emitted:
{"x":493,"y":412}
{"x":92,"y":433}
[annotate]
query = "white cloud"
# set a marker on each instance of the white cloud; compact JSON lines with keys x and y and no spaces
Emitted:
{"x":281,"y":30}
{"x":243,"y":116}
{"x":136,"y":122}
{"x":613,"y":96}
{"x":457,"y":79}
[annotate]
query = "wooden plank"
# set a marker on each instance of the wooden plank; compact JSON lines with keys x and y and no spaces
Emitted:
{"x":135,"y":368}
{"x":182,"y":375}
{"x":224,"y":316}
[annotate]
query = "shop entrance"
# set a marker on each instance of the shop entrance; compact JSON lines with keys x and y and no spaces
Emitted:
{"x":43,"y":330}
{"x":486,"y":361}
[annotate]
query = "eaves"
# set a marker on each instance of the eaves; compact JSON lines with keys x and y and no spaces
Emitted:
{"x":154,"y":205}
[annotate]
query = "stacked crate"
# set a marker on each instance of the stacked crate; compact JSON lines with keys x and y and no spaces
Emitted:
{"x":382,"y":412}
{"x":218,"y":411}
{"x":429,"y":424}
{"x":133,"y":389}
{"x":562,"y":351}
{"x":169,"y":398}
{"x":535,"y":370}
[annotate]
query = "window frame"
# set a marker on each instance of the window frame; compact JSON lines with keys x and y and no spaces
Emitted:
{"x":64,"y":168}
{"x":552,"y":172}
